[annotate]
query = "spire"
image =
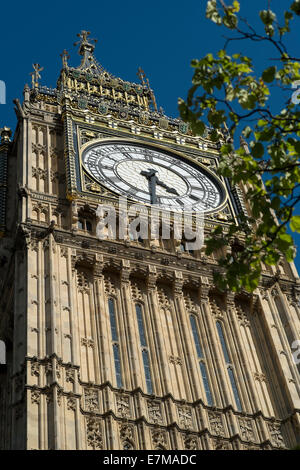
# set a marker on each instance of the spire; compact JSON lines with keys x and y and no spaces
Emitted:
{"x":86,"y":50}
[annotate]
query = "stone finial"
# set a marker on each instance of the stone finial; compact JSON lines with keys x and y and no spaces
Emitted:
{"x":5,"y":134}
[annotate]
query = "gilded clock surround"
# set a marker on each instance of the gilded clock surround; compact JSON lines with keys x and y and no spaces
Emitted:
{"x":196,"y":164}
{"x":77,"y":312}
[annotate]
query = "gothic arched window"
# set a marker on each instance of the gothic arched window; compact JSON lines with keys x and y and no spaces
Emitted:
{"x":229,"y":367}
{"x":201,"y":359}
{"x":144,"y":348}
{"x":115,"y":342}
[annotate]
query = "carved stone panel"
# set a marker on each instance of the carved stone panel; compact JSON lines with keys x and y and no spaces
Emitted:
{"x":185,"y":417}
{"x":91,"y":402}
{"x":154,"y":412}
{"x":123,"y":405}
{"x":246,"y":429}
{"x":216,"y":423}
{"x":94,"y":433}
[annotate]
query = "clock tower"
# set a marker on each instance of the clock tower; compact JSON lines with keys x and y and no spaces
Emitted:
{"x":123,"y":342}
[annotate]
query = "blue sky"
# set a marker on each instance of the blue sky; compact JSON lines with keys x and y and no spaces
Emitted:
{"x":160,"y":36}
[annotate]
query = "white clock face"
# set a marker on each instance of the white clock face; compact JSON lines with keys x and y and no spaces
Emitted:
{"x":152,"y":176}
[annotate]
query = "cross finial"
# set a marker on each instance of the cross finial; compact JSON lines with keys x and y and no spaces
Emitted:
{"x":64,"y":57}
{"x":85,"y":45}
{"x":35,"y":76}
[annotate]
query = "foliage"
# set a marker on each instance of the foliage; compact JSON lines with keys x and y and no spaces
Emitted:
{"x":236,"y":102}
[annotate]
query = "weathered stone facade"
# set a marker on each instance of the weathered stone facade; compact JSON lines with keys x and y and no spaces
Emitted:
{"x":59,"y":388}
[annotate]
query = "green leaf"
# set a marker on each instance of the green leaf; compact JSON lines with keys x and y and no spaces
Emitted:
{"x":295,"y":7}
{"x":267,"y":16}
{"x":269,"y":74}
{"x":295,"y":223}
{"x":257,"y":150}
{"x":236,"y":6}
{"x":212,"y":12}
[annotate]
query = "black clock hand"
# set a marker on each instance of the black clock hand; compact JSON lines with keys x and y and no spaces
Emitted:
{"x":152,"y":179}
{"x":168,"y":189}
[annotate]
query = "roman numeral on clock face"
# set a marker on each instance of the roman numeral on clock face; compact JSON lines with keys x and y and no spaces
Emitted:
{"x":194,"y":198}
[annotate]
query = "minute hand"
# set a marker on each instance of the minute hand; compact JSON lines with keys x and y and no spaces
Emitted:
{"x":167,"y":188}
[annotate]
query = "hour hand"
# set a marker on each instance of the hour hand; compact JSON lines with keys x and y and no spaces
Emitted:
{"x":167,"y":188}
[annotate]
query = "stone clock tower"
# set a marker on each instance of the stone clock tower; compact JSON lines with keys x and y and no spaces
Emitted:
{"x":125,"y":343}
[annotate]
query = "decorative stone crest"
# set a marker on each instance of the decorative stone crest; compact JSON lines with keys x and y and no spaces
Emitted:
{"x":216,"y":423}
{"x":123,"y":407}
{"x":91,"y":402}
{"x":246,"y":428}
{"x":154,"y":412}
{"x":276,"y":436}
{"x":185,"y":417}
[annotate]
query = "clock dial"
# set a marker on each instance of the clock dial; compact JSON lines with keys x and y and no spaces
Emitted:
{"x":137,"y":171}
